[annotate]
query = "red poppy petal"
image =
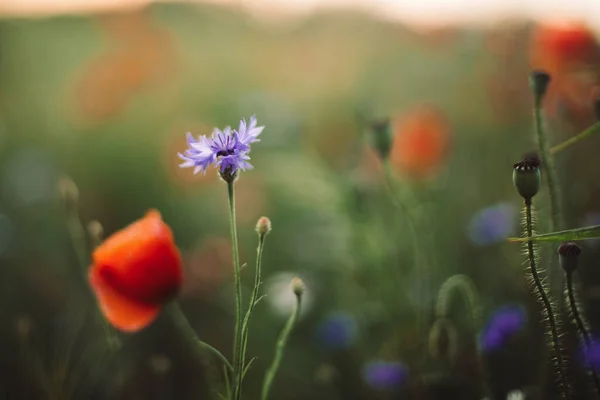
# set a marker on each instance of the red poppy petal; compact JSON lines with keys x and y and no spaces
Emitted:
{"x":123,"y":313}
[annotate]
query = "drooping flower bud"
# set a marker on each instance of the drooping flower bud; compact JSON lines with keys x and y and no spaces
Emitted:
{"x":297,"y":286}
{"x":527,"y":177}
{"x":263,"y":226}
{"x":380,"y":136}
{"x":568,"y":254}
{"x":69,"y":192}
{"x":538,"y":82}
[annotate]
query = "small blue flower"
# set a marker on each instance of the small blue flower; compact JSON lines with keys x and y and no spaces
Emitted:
{"x":591,"y":354}
{"x":227,"y":149}
{"x":502,"y":325}
{"x":492,"y":224}
{"x":338,"y":331}
{"x":385,"y":375}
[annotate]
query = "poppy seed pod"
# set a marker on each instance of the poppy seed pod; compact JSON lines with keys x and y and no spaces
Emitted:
{"x":527,"y":177}
{"x":538,"y":82}
{"x":568,"y":254}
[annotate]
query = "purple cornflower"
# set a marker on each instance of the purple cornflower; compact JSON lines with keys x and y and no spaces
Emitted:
{"x":501,"y":327}
{"x":338,"y":331}
{"x":492,"y":224}
{"x":385,"y":375}
{"x":227,"y":149}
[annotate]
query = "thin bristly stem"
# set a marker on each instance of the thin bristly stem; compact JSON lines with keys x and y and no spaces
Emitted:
{"x":253,"y":301}
{"x":580,"y":325}
{"x":280,"y":348}
{"x":183,"y":324}
{"x":588,"y":132}
{"x":237,"y":342}
{"x":546,"y":302}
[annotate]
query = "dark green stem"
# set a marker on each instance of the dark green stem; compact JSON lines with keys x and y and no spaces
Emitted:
{"x":546,"y":302}
{"x":237,"y":361}
{"x":580,"y":325}
{"x":280,"y":348}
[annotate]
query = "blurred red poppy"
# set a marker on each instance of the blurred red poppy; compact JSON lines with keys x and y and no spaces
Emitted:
{"x":420,"y":143}
{"x":135,"y":271}
{"x":571,"y":54}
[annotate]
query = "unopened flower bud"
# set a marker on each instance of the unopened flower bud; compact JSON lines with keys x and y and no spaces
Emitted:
{"x":381,"y":138}
{"x":297,"y":286}
{"x":538,"y":82}
{"x":69,"y":192}
{"x":568,"y":254}
{"x":96,"y":232}
{"x":263,"y":226}
{"x":527,"y":177}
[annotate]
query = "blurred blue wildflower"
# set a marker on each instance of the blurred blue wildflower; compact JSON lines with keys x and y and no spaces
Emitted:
{"x":591,"y":354}
{"x":492,"y":224}
{"x":338,"y":331}
{"x":227,"y":149}
{"x":501,"y":327}
{"x":385,"y":375}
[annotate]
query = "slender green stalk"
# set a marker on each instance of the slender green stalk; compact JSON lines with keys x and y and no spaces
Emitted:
{"x":577,"y":138}
{"x":280,"y":348}
{"x":253,"y":300}
{"x":78,"y":240}
{"x":550,"y":175}
{"x":420,"y":263}
{"x":237,"y":341}
{"x":545,"y":301}
{"x":183,"y":325}
{"x":580,"y":326}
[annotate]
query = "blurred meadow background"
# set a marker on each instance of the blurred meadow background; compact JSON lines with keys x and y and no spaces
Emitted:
{"x":106,"y":98}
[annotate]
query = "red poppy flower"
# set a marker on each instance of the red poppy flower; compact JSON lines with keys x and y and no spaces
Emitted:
{"x":135,"y":271}
{"x":556,"y":46}
{"x":420,"y":143}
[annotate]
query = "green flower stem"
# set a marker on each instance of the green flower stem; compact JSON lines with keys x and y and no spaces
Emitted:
{"x":280,"y":348}
{"x":580,"y":326}
{"x":78,"y":239}
{"x":421,"y":270}
{"x":588,"y":132}
{"x":237,"y":341}
{"x":182,"y":323}
{"x":253,"y":300}
{"x":545,"y":301}
{"x":548,"y":165}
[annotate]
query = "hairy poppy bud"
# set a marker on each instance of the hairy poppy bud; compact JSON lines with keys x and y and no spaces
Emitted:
{"x":527,"y":177}
{"x":568,"y":254}
{"x":96,"y":232}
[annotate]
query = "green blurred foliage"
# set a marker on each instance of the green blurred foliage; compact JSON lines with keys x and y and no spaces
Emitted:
{"x":107,"y":100}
